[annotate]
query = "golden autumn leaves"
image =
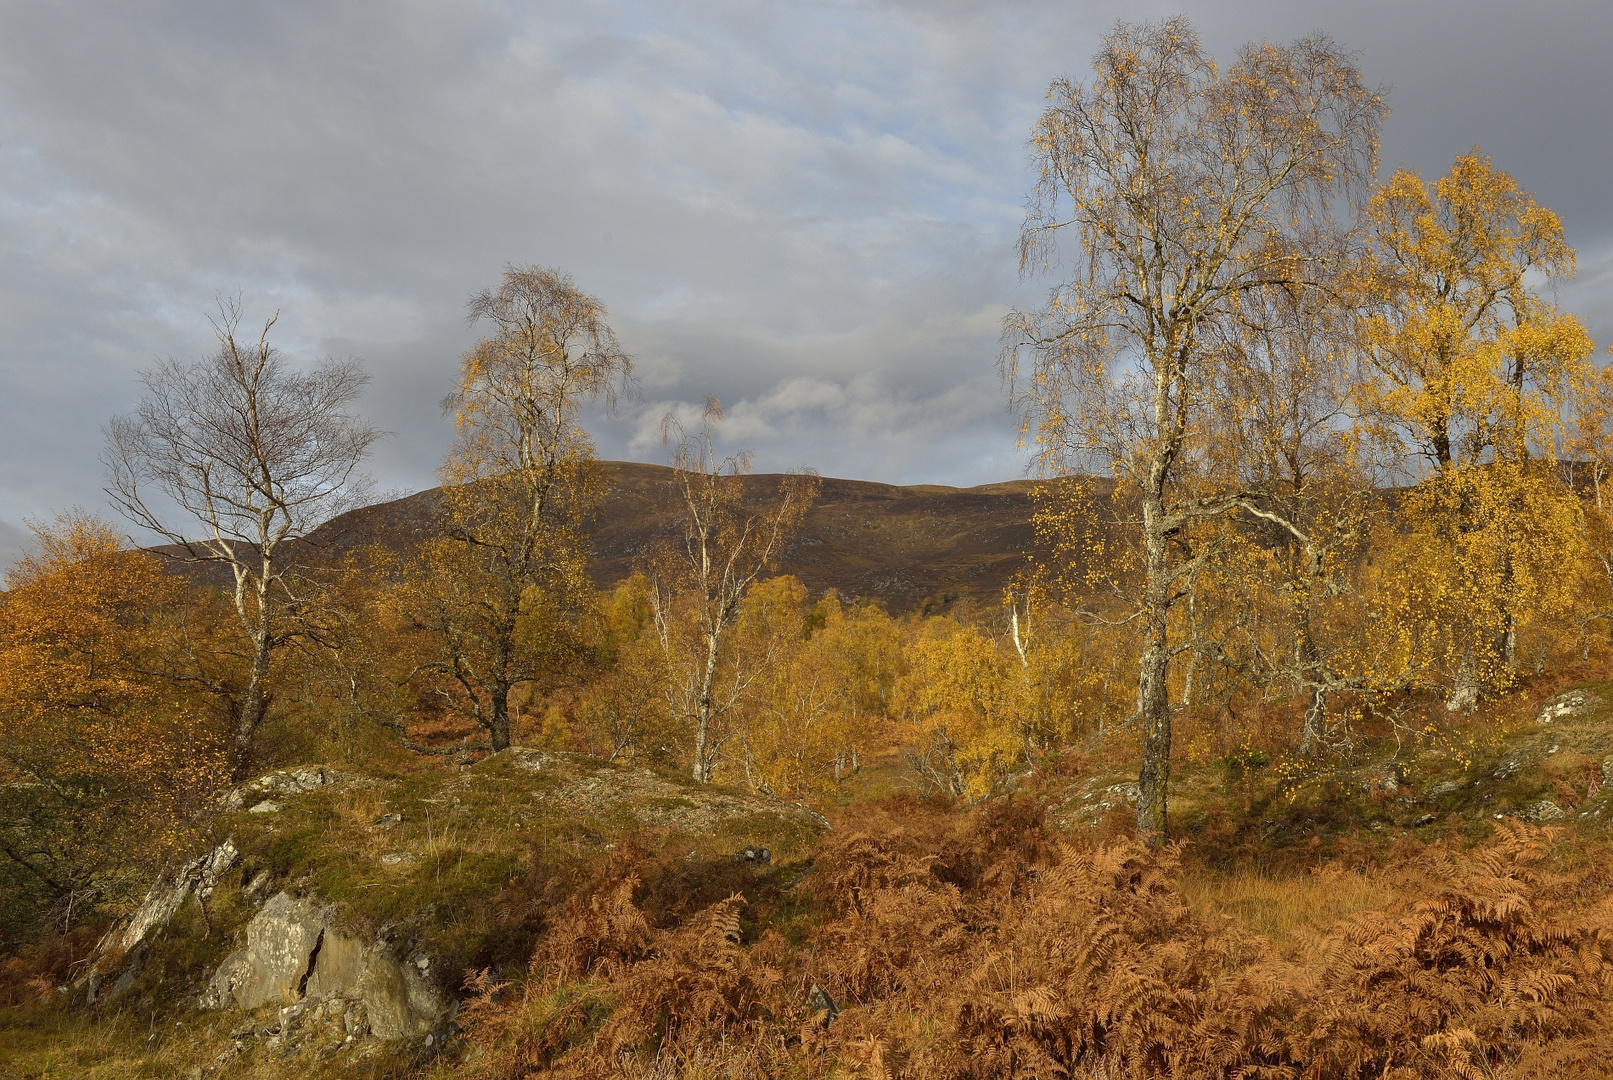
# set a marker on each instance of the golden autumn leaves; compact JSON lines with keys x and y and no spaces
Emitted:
{"x":102,"y":758}
{"x":1310,"y":393}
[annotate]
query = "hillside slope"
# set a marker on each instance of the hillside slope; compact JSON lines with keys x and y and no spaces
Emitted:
{"x":913,"y":548}
{"x":657,"y":897}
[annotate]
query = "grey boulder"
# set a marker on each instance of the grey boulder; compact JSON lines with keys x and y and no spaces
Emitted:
{"x":294,"y":953}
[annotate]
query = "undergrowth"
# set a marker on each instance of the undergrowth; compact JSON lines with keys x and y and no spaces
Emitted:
{"x":988,"y":945}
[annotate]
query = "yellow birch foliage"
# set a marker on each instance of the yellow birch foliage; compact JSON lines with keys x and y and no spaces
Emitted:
{"x":623,"y":710}
{"x":1477,"y":374}
{"x":962,"y":697}
{"x":830,"y":681}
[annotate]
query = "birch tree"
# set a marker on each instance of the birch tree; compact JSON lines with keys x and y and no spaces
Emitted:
{"x":728,"y":537}
{"x":1184,"y":187}
{"x":230,"y":460}
{"x":1474,"y":370}
{"x":501,"y":589}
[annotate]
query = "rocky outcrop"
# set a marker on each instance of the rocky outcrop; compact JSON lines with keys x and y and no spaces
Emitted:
{"x":257,"y":796}
{"x":294,"y":953}
{"x":199,"y":876}
{"x":118,"y":957}
{"x":1568,"y":703}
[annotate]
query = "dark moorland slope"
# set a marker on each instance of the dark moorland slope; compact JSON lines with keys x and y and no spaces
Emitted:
{"x":911,"y":548}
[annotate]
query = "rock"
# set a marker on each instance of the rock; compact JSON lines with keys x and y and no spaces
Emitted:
{"x":396,"y":999}
{"x":286,"y":782}
{"x":398,"y":858}
{"x":757,"y":855}
{"x":1544,"y":810}
{"x":822,"y":1005}
{"x":255,"y":885}
{"x":1390,"y":780}
{"x":199,"y":876}
{"x":281,"y":942}
{"x":1107,"y":797}
{"x":527,"y":758}
{"x":267,"y":806}
{"x":1439,"y":791}
{"x":295,"y":957}
{"x":1566,"y":704}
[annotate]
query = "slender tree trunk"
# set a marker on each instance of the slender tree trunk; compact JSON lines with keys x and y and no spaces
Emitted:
{"x":1308,"y":658}
{"x":705,"y":735}
{"x":1506,"y":645}
{"x":1153,"y":702}
{"x":1197,"y":642}
{"x":703,"y":756}
{"x":1310,"y":665}
{"x":254,"y":704}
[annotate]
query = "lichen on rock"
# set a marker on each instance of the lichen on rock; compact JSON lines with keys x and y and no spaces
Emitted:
{"x":295,"y":953}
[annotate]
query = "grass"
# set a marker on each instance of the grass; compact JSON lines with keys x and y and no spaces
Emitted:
{"x":1289,"y":910}
{"x":496,"y":850}
{"x":42,"y":1043}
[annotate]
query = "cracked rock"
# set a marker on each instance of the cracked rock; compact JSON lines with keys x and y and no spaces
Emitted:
{"x":294,"y":957}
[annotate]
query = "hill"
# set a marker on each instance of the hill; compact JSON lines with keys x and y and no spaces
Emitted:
{"x":919,"y":547}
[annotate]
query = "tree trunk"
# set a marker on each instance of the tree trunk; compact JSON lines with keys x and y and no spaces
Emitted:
{"x":702,"y":746}
{"x":1465,"y":690}
{"x":1153,"y":702}
{"x":1308,"y":658}
{"x":254,"y":703}
{"x":705,"y":734}
{"x":498,"y":732}
{"x":1310,"y":664}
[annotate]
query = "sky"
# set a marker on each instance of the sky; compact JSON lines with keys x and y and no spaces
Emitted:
{"x":807,"y":209}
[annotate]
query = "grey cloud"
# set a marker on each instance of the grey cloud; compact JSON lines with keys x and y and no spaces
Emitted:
{"x":14,"y":543}
{"x":806,"y":209}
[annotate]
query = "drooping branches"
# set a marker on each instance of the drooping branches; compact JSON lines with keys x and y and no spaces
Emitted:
{"x":1186,"y":189}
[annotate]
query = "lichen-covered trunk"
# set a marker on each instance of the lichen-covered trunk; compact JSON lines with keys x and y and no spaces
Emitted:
{"x":254,"y":705}
{"x":1307,"y":656}
{"x":1309,"y":663}
{"x":705,"y":735}
{"x":703,"y":759}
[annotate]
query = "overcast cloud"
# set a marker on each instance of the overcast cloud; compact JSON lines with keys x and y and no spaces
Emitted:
{"x":807,"y":209}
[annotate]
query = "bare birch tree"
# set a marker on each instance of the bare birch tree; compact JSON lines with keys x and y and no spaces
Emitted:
{"x":728,"y":539}
{"x":1185,"y":187}
{"x":252,"y":454}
